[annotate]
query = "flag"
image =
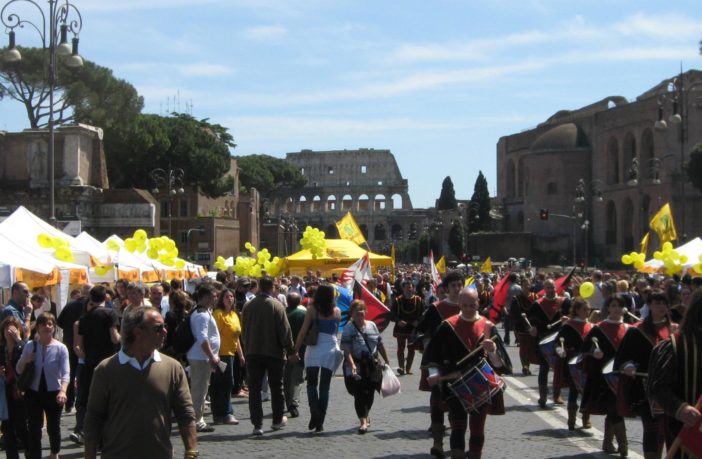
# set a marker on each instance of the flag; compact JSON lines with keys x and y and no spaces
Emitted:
{"x":561,"y":283}
{"x":441,"y":265}
{"x":349,"y":230}
{"x":343,"y":297}
{"x":691,"y":437}
{"x":663,"y":224}
{"x":498,"y":299}
{"x":644,"y":244}
{"x":487,"y":266}
{"x":376,"y":311}
{"x":470,"y":282}
{"x":435,"y":277}
{"x":392,"y":254}
{"x":360,"y":271}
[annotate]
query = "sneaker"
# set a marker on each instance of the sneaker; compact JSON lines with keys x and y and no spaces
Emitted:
{"x":230,"y":420}
{"x":279,"y":425}
{"x":204,"y":428}
{"x":294,"y":412}
{"x":257,"y":432}
{"x":77,"y":437}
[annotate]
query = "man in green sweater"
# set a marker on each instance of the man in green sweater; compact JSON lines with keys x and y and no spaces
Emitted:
{"x":293,"y":378}
{"x":133,"y":394}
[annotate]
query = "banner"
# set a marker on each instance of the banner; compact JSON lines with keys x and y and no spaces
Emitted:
{"x":349,"y":230}
{"x":441,"y":265}
{"x":662,"y":223}
{"x":487,"y":266}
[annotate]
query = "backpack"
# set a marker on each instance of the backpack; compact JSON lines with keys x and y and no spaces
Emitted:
{"x":183,"y":338}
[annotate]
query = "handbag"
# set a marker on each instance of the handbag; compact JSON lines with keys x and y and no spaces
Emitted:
{"x":375,"y":374}
{"x":24,"y":380}
{"x":391,"y":384}
{"x":313,"y":331}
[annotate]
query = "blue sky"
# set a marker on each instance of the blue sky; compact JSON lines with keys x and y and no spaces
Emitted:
{"x":436,"y":82}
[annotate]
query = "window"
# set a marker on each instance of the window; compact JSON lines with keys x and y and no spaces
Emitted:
{"x":165,"y":209}
{"x":183,"y":208}
{"x":302,"y":171}
{"x":330,"y":170}
{"x":364,"y":169}
{"x":183,"y":236}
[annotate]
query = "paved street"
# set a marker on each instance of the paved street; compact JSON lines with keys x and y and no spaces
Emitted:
{"x":399,"y":428}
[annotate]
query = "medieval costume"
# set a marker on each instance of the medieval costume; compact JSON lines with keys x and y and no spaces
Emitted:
{"x":572,"y":335}
{"x":544,"y":315}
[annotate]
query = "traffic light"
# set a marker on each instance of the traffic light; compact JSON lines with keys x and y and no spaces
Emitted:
{"x":544,"y":214}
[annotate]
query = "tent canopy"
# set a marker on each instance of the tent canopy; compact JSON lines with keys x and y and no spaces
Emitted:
{"x":338,"y":253}
{"x":693,"y":250}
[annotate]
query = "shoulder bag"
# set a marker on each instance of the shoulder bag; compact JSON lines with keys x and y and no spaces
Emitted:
{"x":375,"y":373}
{"x":313,"y":331}
{"x":24,"y":380}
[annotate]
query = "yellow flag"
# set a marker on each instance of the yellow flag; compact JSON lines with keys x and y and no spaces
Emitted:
{"x":644,"y":244}
{"x":468,"y":281}
{"x":663,"y":224}
{"x":487,"y":266}
{"x":349,"y":230}
{"x":392,"y":253}
{"x":441,"y":265}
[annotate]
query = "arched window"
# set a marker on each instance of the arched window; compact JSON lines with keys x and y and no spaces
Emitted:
{"x":363,"y":203}
{"x":510,"y":178}
{"x":647,"y":166}
{"x":612,"y":161}
{"x":629,"y":150}
{"x":611,"y":234}
{"x":331,"y":203}
{"x":396,"y":232}
{"x":628,"y":225}
{"x":304,"y":205}
{"x":316,"y":205}
{"x":380,"y":234}
{"x":396,"y":201}
{"x":346,"y":202}
{"x":379,"y":202}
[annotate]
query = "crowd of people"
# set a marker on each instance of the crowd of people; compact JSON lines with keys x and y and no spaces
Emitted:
{"x":132,"y":360}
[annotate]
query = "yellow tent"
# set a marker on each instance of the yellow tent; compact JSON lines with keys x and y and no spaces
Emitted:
{"x":338,"y":253}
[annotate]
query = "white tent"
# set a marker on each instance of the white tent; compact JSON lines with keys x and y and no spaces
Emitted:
{"x":692,"y":249}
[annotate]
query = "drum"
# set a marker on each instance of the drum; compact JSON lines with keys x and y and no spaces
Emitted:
{"x":577,"y":373}
{"x":610,"y":376}
{"x":548,"y":348}
{"x":477,"y":386}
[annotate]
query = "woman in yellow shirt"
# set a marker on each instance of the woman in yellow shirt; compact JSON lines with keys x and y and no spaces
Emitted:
{"x":229,"y":327}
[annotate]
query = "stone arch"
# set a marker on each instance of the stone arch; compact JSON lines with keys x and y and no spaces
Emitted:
{"x":611,"y":233}
{"x":364,"y":229}
{"x":379,"y":202}
{"x":629,"y":149}
{"x":612,"y":161}
{"x":647,"y":154}
{"x":316,"y":204}
{"x":363,"y":203}
{"x":396,"y":201}
{"x":396,"y":232}
{"x":346,"y":202}
{"x":628,"y":220}
{"x":331,"y":203}
{"x":510,"y":178}
{"x":380,"y":233}
{"x":303,"y":204}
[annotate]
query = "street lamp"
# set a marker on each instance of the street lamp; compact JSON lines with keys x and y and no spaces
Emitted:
{"x":585,"y":193}
{"x":288,"y":226}
{"x":68,"y":19}
{"x":187,"y":240}
{"x":172,"y":180}
{"x":678,"y":96}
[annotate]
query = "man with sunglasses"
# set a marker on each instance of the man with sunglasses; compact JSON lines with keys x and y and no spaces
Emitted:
{"x":139,"y":387}
{"x":19,"y":305}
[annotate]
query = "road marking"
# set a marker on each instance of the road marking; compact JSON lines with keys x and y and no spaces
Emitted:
{"x":556,"y":418}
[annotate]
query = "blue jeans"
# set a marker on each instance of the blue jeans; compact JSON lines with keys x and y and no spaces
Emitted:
{"x":221,"y":390}
{"x":318,"y":397}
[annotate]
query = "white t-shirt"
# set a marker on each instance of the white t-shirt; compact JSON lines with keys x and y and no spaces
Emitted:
{"x":204,"y":328}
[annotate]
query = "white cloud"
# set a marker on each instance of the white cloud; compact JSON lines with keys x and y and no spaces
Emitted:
{"x":204,"y":70}
{"x":665,"y":26}
{"x":265,"y":33}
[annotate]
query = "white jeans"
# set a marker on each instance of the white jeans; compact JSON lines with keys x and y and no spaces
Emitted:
{"x":200,"y":371}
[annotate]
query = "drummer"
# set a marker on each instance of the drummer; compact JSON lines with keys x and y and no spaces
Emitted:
{"x":572,"y":335}
{"x":453,"y":341}
{"x":600,"y":347}
{"x":521,"y":304}
{"x":545,"y":317}
{"x":632,"y":359}
{"x":427,"y":326}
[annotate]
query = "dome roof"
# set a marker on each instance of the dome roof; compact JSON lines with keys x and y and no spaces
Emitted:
{"x":563,"y":137}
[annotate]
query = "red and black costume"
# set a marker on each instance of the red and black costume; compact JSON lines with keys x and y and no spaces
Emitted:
{"x":409,"y":310}
{"x":573,"y":334}
{"x":636,"y":348}
{"x":455,"y":338}
{"x":528,"y":346}
{"x":544,"y":315}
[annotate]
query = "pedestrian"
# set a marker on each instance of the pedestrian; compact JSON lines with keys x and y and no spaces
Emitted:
{"x":19,"y":305}
{"x":323,"y":358}
{"x":361,"y":342}
{"x":47,"y":392}
{"x":229,"y":327}
{"x":267,"y":340}
{"x":203,"y":355}
{"x":14,"y":428}
{"x":406,"y":311}
{"x":156,"y":298}
{"x":134,"y":393}
{"x":294,"y":372}
{"x":179,"y":308}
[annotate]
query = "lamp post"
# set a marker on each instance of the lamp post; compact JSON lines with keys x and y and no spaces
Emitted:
{"x":585,"y":194}
{"x":187,"y":240}
{"x":677,"y":95}
{"x":288,"y":226}
{"x":61,"y":20}
{"x":636,"y":180}
{"x":172,"y":180}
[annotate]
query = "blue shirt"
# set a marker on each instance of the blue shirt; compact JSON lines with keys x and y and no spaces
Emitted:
{"x":52,"y":360}
{"x":13,"y":309}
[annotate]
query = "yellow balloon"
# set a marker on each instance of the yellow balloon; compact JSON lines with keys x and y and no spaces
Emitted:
{"x":152,"y":253}
{"x":112,"y":245}
{"x":130,"y":244}
{"x":140,"y":235}
{"x":697,"y":268}
{"x":657,"y":255}
{"x":44,"y":240}
{"x":180,"y":264}
{"x":683,"y":259}
{"x":638,"y":264}
{"x":667,"y":246}
{"x":626,"y":259}
{"x":173,"y":253}
{"x":587,"y":289}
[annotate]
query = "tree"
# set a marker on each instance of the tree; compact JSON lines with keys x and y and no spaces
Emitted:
{"x":198,"y":147}
{"x":266,"y":173}
{"x":694,"y":167}
{"x":479,"y":208}
{"x":89,"y":94}
{"x":455,"y":239}
{"x":447,"y":199}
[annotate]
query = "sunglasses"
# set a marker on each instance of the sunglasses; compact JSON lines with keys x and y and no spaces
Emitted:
{"x":158,"y":328}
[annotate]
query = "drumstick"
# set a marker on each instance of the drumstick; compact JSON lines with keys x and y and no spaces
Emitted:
{"x":633,"y":316}
{"x":562,"y":340}
{"x":549,"y":326}
{"x":471,"y":354}
{"x":524,"y":316}
{"x":643,"y":375}
{"x":596,"y":342}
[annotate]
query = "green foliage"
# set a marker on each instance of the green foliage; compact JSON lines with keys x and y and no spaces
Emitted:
{"x":479,"y":208}
{"x":266,"y":173}
{"x":694,"y":167}
{"x":447,"y":199}
{"x":455,"y":239}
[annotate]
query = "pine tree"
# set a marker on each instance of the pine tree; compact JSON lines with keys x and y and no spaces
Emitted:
{"x":479,"y":209}
{"x":447,"y":199}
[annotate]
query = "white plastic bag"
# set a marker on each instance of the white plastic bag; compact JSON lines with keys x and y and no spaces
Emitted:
{"x":391,"y":384}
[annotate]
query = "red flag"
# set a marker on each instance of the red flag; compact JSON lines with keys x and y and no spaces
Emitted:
{"x":499,"y":298}
{"x":376,"y":311}
{"x":691,"y":438}
{"x":360,"y":271}
{"x":561,"y":283}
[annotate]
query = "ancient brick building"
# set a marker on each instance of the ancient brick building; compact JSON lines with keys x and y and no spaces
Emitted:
{"x":601,"y":172}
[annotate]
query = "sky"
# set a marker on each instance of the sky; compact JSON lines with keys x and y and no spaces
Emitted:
{"x":436,"y":82}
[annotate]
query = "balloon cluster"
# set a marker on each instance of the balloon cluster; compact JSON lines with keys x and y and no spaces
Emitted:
{"x":160,"y":248}
{"x":698,"y":267}
{"x":252,"y":266}
{"x":220,"y":263}
{"x":671,"y":259}
{"x":62,"y":249}
{"x":101,"y":270}
{"x":634,"y":258}
{"x":587,"y":289}
{"x":313,"y":240}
